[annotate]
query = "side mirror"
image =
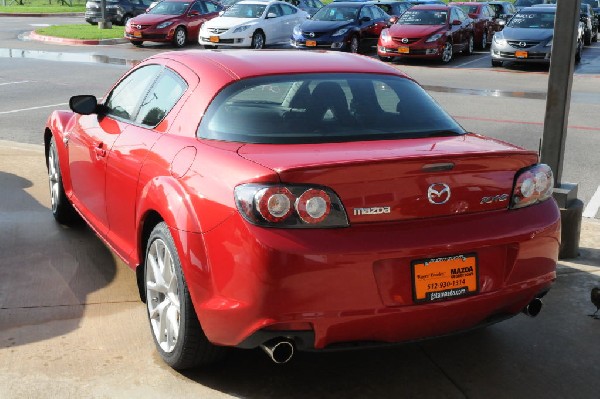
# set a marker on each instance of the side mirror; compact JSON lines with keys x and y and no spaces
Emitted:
{"x":271,"y":15}
{"x":472,"y":15}
{"x":84,"y":104}
{"x":194,"y":13}
{"x":393,"y":20}
{"x":456,"y":22}
{"x":365,"y":19}
{"x":221,"y":13}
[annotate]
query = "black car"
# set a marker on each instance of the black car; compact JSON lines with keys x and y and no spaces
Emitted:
{"x":519,"y":4}
{"x":393,"y":8}
{"x":503,"y":10}
{"x":117,"y":11}
{"x":349,"y":26}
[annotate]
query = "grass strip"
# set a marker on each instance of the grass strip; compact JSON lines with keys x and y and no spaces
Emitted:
{"x":82,"y":32}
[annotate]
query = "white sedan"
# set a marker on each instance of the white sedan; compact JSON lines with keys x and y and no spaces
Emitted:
{"x":252,"y":24}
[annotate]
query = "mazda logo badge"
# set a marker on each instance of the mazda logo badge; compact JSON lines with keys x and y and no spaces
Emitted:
{"x":522,"y":44}
{"x":438,"y":193}
{"x":139,"y":26}
{"x":405,"y":40}
{"x":311,"y":34}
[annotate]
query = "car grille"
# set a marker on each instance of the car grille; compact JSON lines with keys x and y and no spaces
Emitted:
{"x":140,"y":27}
{"x":522,"y":43}
{"x":312,"y":35}
{"x":409,"y":40}
{"x":217,"y":31}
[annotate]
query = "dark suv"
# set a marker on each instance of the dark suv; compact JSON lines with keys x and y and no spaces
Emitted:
{"x":117,"y":11}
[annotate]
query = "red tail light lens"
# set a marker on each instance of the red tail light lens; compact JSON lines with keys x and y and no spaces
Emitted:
{"x":532,"y":185}
{"x":290,"y":206}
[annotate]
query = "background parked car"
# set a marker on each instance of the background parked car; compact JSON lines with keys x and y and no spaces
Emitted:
{"x":117,"y":11}
{"x":519,"y":4}
{"x":310,"y":6}
{"x":393,"y":8}
{"x":350,"y":26}
{"x":590,"y":22}
{"x":427,"y":31}
{"x":503,"y":10}
{"x":228,"y":3}
{"x":484,"y":21}
{"x":527,"y":37}
{"x":253,"y":24}
{"x":176,"y":21}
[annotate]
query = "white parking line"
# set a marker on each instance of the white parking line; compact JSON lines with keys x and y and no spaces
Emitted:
{"x":592,"y":207}
{"x":32,"y":108}
{"x":14,"y":83}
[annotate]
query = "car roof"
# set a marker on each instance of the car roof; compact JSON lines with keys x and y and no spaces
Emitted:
{"x":242,"y":64}
{"x":430,"y":7}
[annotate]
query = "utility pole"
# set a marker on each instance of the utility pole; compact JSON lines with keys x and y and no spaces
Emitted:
{"x":560,"y":81}
{"x":103,"y":23}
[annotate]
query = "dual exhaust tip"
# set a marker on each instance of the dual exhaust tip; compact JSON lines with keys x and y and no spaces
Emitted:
{"x":280,"y":350}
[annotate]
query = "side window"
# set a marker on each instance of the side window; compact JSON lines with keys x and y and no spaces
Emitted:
{"x":197,"y":7}
{"x":161,"y":98}
{"x":274,"y":9}
{"x":211,"y":7}
{"x":287,"y":10}
{"x":126,"y":97}
{"x":461,"y":14}
{"x":380,"y":13}
{"x":365,"y":12}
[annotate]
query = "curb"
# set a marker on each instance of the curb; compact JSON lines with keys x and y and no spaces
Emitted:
{"x":60,"y":40}
{"x":25,"y":14}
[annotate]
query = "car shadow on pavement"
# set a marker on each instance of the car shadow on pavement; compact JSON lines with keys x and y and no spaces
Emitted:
{"x":47,"y":270}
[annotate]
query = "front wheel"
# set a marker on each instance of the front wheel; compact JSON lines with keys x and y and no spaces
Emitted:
{"x":354,"y":45}
{"x":496,"y":63}
{"x":210,"y":47}
{"x":447,"y":53}
{"x":258,"y":40}
{"x":587,"y":38}
{"x":62,"y":210}
{"x":175,"y":328}
{"x":180,"y":37}
{"x":469,"y":49}
{"x":137,"y":43}
{"x":125,"y":19}
{"x":385,"y":59}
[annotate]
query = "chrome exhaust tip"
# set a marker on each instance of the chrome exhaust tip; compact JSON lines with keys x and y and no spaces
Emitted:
{"x":279,"y":350}
{"x":534,"y":308}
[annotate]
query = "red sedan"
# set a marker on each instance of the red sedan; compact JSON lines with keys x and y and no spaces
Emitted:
{"x":301,"y":200}
{"x":175,"y":21}
{"x":484,"y":19}
{"x":427,"y":31}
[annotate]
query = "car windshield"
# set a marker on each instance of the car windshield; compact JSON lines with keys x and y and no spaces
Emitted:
{"x":469,"y":9}
{"x":423,"y":17}
{"x":319,"y":108}
{"x":229,"y":3}
{"x":169,"y":8}
{"x":532,"y":20}
{"x":528,"y":3}
{"x":245,"y":11}
{"x":336,"y":13}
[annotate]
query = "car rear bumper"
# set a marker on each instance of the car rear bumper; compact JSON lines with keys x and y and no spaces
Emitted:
{"x":330,"y":287}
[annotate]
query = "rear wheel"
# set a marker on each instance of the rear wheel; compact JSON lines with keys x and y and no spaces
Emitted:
{"x":578,"y":53}
{"x":469,"y":49}
{"x":258,"y":40}
{"x":175,"y":327}
{"x":484,"y":41}
{"x":125,"y":19}
{"x":180,"y":37}
{"x":62,"y":210}
{"x":447,"y":53}
{"x":496,"y":63}
{"x":354,"y":45}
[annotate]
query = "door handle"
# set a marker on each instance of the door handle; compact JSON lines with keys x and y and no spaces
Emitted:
{"x":100,"y":151}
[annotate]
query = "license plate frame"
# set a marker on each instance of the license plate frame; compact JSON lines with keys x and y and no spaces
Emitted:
{"x":521,"y":54}
{"x":447,"y":277}
{"x":311,"y":43}
{"x":214,"y":39}
{"x":137,"y":34}
{"x":403,"y":50}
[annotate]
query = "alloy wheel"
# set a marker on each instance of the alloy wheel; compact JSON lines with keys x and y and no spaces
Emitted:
{"x":53,"y":178}
{"x":447,"y":52}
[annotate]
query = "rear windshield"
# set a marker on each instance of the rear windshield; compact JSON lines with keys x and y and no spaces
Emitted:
{"x":318,"y":108}
{"x":532,"y":20}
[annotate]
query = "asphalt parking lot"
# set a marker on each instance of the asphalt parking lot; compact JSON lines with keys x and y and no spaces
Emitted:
{"x":72,"y":326}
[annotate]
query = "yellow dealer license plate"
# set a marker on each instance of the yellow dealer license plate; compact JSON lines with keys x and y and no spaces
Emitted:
{"x":403,"y":50}
{"x":311,"y":43}
{"x":445,"y":277}
{"x":137,"y":34}
{"x":214,"y":39}
{"x":521,"y":54}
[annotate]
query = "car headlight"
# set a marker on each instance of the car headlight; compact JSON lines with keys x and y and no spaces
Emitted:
{"x":434,"y":38}
{"x":241,"y":28}
{"x":532,"y":185}
{"x":385,"y":35}
{"x":340,"y":32}
{"x":499,"y":40}
{"x":113,"y":7}
{"x":297,"y":30}
{"x":164,"y":24}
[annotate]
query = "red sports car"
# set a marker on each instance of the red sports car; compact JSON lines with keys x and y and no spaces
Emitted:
{"x":485,"y":23}
{"x":301,"y":200}
{"x":427,"y":31}
{"x":176,"y":21}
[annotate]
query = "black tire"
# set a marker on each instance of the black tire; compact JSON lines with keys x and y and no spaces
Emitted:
{"x":587,"y":38}
{"x":209,"y":47}
{"x":385,"y":59}
{"x":62,"y":210}
{"x":354,"y":45}
{"x":496,"y":63}
{"x":469,"y":48}
{"x":125,"y":18}
{"x":484,"y":42}
{"x":137,"y":43}
{"x":180,"y":37}
{"x":190,"y":347}
{"x":258,"y":40}
{"x":595,"y":36}
{"x":578,"y":53}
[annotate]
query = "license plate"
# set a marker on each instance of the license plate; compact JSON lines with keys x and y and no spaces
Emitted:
{"x":214,"y":39}
{"x":521,"y":54}
{"x":444,"y":278}
{"x":137,"y":34}
{"x":311,"y":43}
{"x":403,"y":50}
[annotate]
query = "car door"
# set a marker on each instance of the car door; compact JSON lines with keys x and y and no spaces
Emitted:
{"x":273,"y":24}
{"x":133,"y":147}
{"x":381,"y":21}
{"x":367,"y":26}
{"x":194,"y":18}
{"x":91,"y":140}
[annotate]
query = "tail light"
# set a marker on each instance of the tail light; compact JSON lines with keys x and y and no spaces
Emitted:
{"x":532,"y":185}
{"x":290,"y":206}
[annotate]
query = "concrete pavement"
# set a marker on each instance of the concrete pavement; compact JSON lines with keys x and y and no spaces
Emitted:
{"x":71,"y":326}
